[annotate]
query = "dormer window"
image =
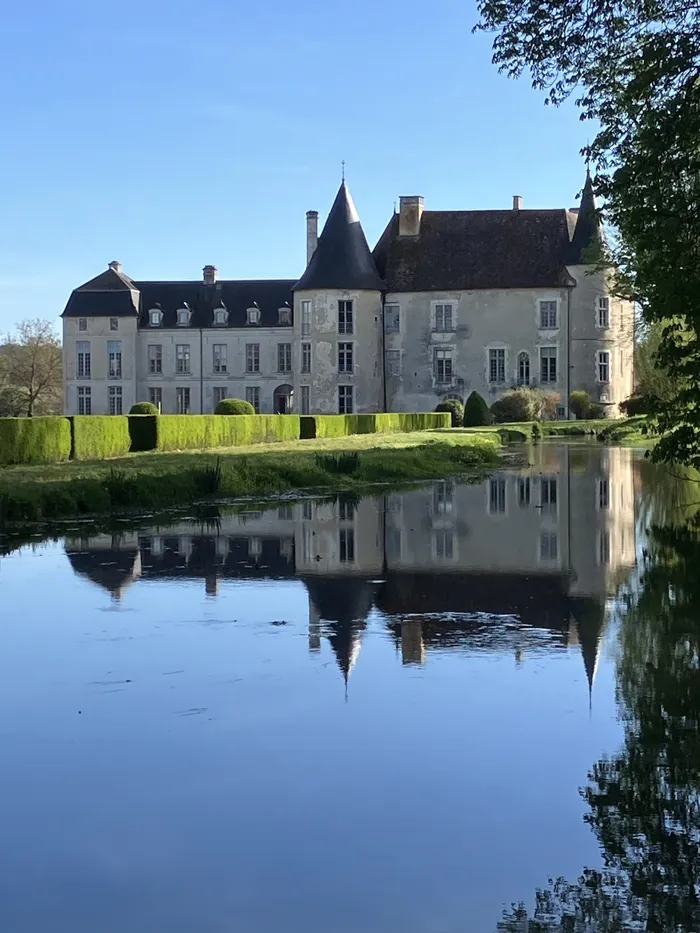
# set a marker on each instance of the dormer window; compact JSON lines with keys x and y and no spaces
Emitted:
{"x":253,"y":315}
{"x":183,"y":317}
{"x":155,"y":316}
{"x":285,"y":315}
{"x":220,"y":317}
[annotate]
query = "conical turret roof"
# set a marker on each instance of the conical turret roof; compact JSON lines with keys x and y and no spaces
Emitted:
{"x":588,"y":240}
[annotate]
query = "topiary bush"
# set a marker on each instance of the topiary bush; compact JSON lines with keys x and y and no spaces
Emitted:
{"x":580,"y":404}
{"x":596,"y":411}
{"x":144,"y":408}
{"x":476,"y":411}
{"x":234,"y":406}
{"x":97,"y":437}
{"x":455,"y":407}
{"x":516,"y":405}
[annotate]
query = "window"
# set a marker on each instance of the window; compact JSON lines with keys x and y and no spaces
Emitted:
{"x":115,"y":400}
{"x":443,"y":497}
{"x":497,"y":495}
{"x":252,"y":395}
{"x":82,"y":324}
{"x":346,"y":543}
{"x":305,"y":318}
{"x":393,"y":362}
{"x":497,"y":365}
{"x":603,"y":366}
{"x":346,"y":510}
{"x":84,"y":400}
{"x":524,"y":491}
{"x":392,"y":319}
{"x":548,"y":315}
{"x":548,"y":494}
{"x":155,"y":359}
{"x":549,"y":545}
{"x":603,"y":311}
{"x":442,"y":365}
{"x":220,"y":357}
{"x":443,"y":318}
{"x":183,"y":401}
{"x":220,"y":393}
{"x":345,"y":319}
{"x":252,"y":357}
{"x":444,"y":542}
{"x":83,"y":367}
{"x":182,"y":358}
{"x":523,"y":369}
{"x":307,"y":510}
{"x":155,"y":397}
{"x":284,"y":315}
{"x":548,"y":364}
{"x":220,"y":316}
{"x":114,"y":359}
{"x":604,"y":548}
{"x":114,"y":323}
{"x":284,"y":357}
{"x":305,"y":400}
{"x":285,"y":513}
{"x":306,"y":357}
{"x":393,"y":543}
{"x":154,"y":318}
{"x":345,"y":362}
{"x":604,"y":493}
{"x":253,"y":315}
{"x":183,"y":317}
{"x":345,"y":400}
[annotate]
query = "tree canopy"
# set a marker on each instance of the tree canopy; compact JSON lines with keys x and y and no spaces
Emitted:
{"x":31,"y":381}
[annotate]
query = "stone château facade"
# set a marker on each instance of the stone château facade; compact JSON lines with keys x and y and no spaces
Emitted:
{"x":448,"y":302}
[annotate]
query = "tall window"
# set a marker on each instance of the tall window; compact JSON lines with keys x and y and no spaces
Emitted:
{"x":345,"y":400}
{"x":393,"y":362}
{"x":392,"y":319}
{"x":155,"y":397}
{"x":549,"y":545}
{"x":284,"y":357}
{"x":115,"y":400}
{"x":443,"y":318}
{"x":523,"y":369}
{"x":252,"y":357}
{"x":183,"y":400}
{"x":83,"y":367}
{"x":220,"y":393}
{"x":305,"y":400}
{"x":548,"y":315}
{"x":604,"y":548}
{"x":114,"y":323}
{"x":306,"y":357}
{"x":497,"y":495}
{"x":443,"y":497}
{"x":604,"y":493}
{"x":84,"y":400}
{"x":442,"y":365}
{"x":524,"y":491}
{"x":346,"y":545}
{"x":305,"y":317}
{"x":548,"y":493}
{"x":548,"y":364}
{"x":220,"y":357}
{"x":346,"y":510}
{"x":114,"y":359}
{"x":346,"y":324}
{"x":444,"y":545}
{"x":345,"y":361}
{"x":82,"y":324}
{"x":497,"y":365}
{"x":155,"y":359}
{"x":252,"y":395}
{"x":603,"y":311}
{"x":182,"y":358}
{"x":603,"y":366}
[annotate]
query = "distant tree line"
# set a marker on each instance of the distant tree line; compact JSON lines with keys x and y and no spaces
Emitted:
{"x":31,"y":371}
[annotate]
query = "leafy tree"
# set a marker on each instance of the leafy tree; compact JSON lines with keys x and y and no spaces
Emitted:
{"x":635,"y":68}
{"x":579,"y":404}
{"x":31,"y":381}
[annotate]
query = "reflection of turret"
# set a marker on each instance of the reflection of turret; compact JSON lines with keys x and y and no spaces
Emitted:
{"x":412,"y":647}
{"x":110,"y":568}
{"x":590,"y":625}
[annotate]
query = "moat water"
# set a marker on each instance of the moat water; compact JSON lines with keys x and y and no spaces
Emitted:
{"x":404,"y":712}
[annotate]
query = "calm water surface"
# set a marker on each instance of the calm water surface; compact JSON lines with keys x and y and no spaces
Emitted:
{"x":405,"y":712}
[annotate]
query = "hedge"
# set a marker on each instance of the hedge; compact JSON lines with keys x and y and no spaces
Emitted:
{"x":98,"y":437}
{"x":200,"y":432}
{"x":386,"y":423}
{"x":34,"y":440}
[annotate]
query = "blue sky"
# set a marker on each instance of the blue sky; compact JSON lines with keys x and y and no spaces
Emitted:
{"x":169,"y":135}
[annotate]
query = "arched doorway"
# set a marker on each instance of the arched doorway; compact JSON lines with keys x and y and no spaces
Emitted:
{"x":283,"y":402}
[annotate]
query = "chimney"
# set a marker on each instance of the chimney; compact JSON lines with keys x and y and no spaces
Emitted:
{"x":311,"y":234}
{"x":517,"y":202}
{"x":115,"y":266}
{"x":209,"y":273}
{"x":410,"y":213}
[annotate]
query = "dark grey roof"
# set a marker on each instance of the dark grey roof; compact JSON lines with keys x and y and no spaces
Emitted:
{"x":101,"y":304}
{"x":342,"y":258}
{"x":237,"y":296}
{"x":588,"y":241}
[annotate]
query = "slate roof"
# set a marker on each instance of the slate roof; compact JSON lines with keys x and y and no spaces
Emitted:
{"x":588,"y":240}
{"x":342,"y":258}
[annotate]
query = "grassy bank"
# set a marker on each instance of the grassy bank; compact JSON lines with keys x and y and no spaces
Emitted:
{"x":155,"y":481}
{"x":626,"y":432}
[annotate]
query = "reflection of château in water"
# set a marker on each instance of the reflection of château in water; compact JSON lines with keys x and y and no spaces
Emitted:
{"x":543,"y":546}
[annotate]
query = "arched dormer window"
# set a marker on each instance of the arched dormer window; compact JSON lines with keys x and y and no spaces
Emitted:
{"x":253,"y":314}
{"x":221,"y":316}
{"x":183,"y":315}
{"x":523,"y":369}
{"x":284,"y":315}
{"x":155,"y":317}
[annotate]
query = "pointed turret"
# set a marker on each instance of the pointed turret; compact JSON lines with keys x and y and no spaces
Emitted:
{"x":342,"y":258}
{"x":588,"y":241}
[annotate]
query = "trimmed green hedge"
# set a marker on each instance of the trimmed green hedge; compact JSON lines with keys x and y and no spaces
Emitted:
{"x":98,"y":437}
{"x":386,"y":423}
{"x":34,"y":440}
{"x":201,"y":432}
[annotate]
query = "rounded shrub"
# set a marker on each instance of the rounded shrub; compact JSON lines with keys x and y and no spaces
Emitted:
{"x":144,"y":408}
{"x":234,"y":406}
{"x":517,"y":405}
{"x":455,"y":406}
{"x":476,"y":411}
{"x":580,"y":404}
{"x":596,"y":411}
{"x":637,"y":405}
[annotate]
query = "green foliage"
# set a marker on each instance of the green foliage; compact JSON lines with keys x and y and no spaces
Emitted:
{"x":234,"y":406}
{"x":579,"y":404}
{"x":144,"y":408}
{"x":513,"y":406}
{"x":98,"y":437}
{"x":596,"y":411}
{"x":536,"y":431}
{"x":386,"y":423}
{"x":344,"y":464}
{"x":476,"y":411}
{"x":203,"y":432}
{"x":34,"y":440}
{"x":455,"y":407}
{"x":143,"y":431}
{"x":636,"y":405}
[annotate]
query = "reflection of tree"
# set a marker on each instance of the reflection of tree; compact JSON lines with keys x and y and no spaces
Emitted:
{"x":645,"y":801}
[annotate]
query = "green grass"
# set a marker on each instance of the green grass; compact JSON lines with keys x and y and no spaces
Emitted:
{"x":157,"y":481}
{"x":627,"y":432}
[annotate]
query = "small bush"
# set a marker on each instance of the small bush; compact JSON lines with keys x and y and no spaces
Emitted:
{"x":596,"y":411}
{"x":536,"y":431}
{"x":516,"y":405}
{"x":455,"y":407}
{"x":98,"y":437}
{"x":338,"y":464}
{"x":548,"y":405}
{"x":637,"y":405}
{"x":144,"y":408}
{"x":476,"y":411}
{"x":234,"y":406}
{"x":580,"y":404}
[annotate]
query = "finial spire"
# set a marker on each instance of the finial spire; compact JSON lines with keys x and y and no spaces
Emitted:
{"x":342,"y":165}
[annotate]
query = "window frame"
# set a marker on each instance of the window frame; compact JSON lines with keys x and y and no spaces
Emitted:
{"x":346,"y":317}
{"x":440,"y":309}
{"x":394,"y":363}
{"x":284,"y":358}
{"x":443,"y":366}
{"x":116,"y":400}
{"x":523,"y":358}
{"x":83,"y":360}
{"x":82,"y":325}
{"x":114,"y":349}
{"x":219,"y":394}
{"x":306,"y":311}
{"x":155,"y":361}
{"x":183,"y":362}
{"x":220,"y":317}
{"x":219,"y":358}
{"x":548,"y":314}
{"x":182,"y":393}
{"x":346,"y":358}
{"x":546,"y":370}
{"x":156,"y":392}
{"x":84,"y":397}
{"x":305,"y":400}
{"x":603,"y":312}
{"x":346,"y":400}
{"x":392,"y":313}
{"x":113,"y":325}
{"x":183,"y":317}
{"x":497,"y":363}
{"x":252,"y":395}
{"x":600,"y":366}
{"x":155,"y":317}
{"x":305,"y":361}
{"x":252,"y":357}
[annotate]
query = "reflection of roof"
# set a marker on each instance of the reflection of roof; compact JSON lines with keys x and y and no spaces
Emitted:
{"x":590,"y":623}
{"x":340,"y":599}
{"x":346,"y":640}
{"x":112,"y":569}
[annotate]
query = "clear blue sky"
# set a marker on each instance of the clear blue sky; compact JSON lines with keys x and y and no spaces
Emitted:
{"x":173,"y":134}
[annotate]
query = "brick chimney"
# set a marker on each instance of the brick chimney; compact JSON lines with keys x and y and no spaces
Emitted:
{"x":410,"y":213}
{"x":311,"y":234}
{"x":115,"y":266}
{"x":209,"y":275}
{"x":517,"y":202}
